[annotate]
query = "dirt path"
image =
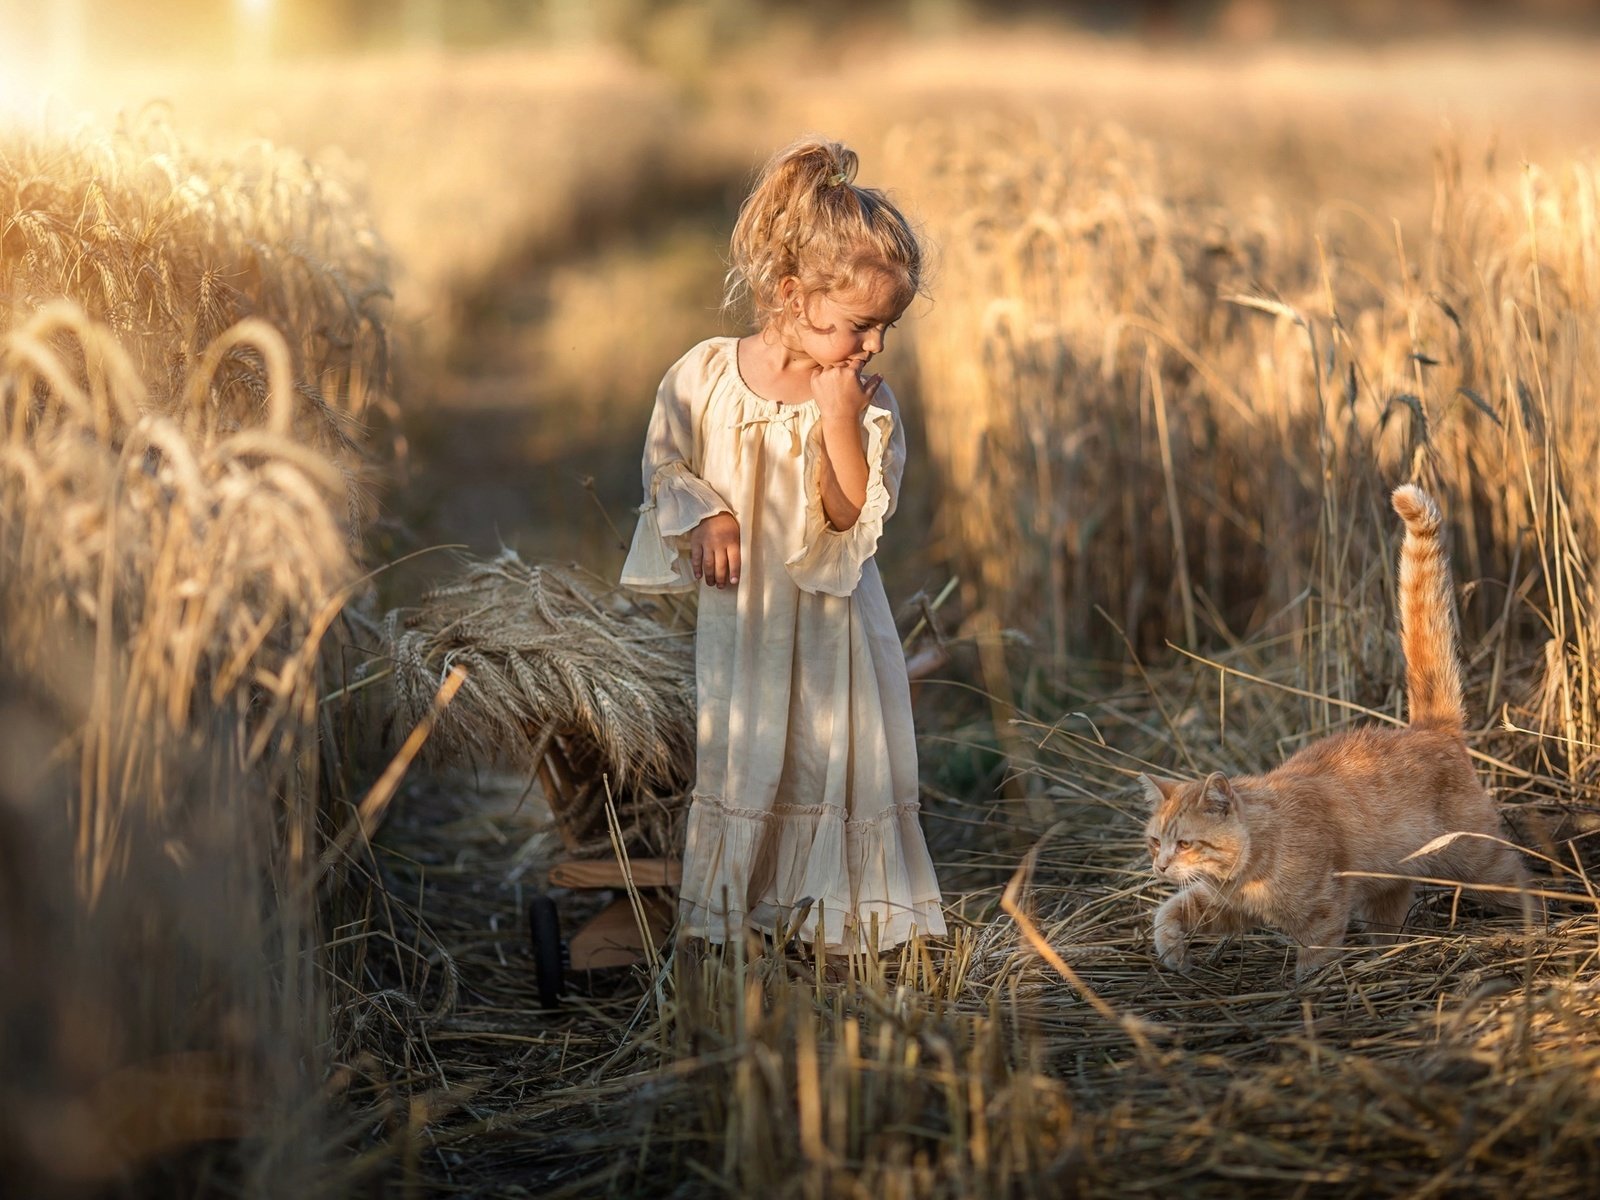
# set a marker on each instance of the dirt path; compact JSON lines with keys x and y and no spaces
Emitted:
{"x":478,"y":1057}
{"x":498,"y":456}
{"x":519,"y":436}
{"x":546,"y":383}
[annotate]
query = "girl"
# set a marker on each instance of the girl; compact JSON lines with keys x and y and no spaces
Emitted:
{"x":770,"y":466}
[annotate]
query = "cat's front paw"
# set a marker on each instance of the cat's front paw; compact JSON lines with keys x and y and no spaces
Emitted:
{"x":1172,"y":944}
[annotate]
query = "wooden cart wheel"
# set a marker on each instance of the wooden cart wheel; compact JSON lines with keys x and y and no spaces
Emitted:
{"x":549,"y":954}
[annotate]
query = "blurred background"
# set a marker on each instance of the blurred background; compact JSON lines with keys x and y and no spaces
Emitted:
{"x":74,"y":30}
{"x":554,"y":180}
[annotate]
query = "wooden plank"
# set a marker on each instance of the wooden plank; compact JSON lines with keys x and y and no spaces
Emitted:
{"x":611,"y":936}
{"x":607,"y":873}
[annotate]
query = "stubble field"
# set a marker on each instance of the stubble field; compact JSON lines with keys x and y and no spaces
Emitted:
{"x":1195,"y":313}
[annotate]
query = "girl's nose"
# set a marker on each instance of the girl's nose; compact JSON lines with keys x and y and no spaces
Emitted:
{"x":873,"y":342}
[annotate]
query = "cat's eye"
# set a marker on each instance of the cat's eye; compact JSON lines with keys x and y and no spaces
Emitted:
{"x":1183,"y":845}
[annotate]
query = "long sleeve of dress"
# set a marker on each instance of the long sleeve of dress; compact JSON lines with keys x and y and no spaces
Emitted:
{"x":830,"y":560}
{"x":676,"y":499}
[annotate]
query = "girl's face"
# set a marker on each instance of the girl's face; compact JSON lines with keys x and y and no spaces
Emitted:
{"x":847,"y":325}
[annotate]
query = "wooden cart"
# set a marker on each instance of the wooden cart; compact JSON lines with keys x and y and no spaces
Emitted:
{"x":576,"y":791}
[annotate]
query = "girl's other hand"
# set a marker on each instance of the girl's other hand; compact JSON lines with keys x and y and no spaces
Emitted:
{"x":714,"y":550}
{"x":840,"y":390}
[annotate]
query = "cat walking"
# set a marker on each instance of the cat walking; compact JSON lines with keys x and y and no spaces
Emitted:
{"x":1248,"y":851}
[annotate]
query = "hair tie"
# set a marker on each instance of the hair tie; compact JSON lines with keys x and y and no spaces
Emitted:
{"x":835,"y":180}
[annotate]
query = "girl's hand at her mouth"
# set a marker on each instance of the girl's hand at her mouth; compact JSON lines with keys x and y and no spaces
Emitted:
{"x":841,"y":391}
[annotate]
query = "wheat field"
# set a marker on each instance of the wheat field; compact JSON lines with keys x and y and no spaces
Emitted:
{"x":271,"y":810}
{"x":192,"y":347}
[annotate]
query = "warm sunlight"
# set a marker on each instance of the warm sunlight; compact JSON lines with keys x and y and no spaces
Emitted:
{"x":872,"y":598}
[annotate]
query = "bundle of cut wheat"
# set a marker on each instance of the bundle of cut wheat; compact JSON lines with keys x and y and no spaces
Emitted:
{"x":563,"y":677}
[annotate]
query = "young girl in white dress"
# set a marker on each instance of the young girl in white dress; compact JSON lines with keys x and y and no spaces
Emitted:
{"x":770,"y":466}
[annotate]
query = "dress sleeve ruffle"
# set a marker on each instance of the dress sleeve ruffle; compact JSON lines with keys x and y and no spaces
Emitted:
{"x":830,"y":560}
{"x":658,"y":560}
{"x":675,"y":498}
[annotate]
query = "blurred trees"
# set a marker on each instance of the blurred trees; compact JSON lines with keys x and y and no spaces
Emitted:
{"x":477,"y":20}
{"x":105,"y":30}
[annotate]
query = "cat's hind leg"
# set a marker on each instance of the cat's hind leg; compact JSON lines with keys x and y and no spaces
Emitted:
{"x":1501,"y":868}
{"x":1321,"y":935}
{"x":1384,"y":913}
{"x":1494,"y":863}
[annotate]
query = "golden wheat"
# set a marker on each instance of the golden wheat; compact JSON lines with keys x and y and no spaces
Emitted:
{"x":1137,"y":427}
{"x":186,"y":346}
{"x":1155,"y":396}
{"x":554,"y":658}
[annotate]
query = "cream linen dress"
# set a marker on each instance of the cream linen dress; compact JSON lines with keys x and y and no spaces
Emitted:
{"x":806,"y":782}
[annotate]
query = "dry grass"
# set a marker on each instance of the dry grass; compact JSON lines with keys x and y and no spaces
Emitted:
{"x":1460,"y":1058}
{"x":1444,"y":1065}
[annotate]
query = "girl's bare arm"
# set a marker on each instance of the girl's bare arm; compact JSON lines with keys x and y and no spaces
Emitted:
{"x":842,"y":397}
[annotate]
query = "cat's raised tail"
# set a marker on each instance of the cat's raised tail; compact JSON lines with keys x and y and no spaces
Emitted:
{"x":1427,"y":615}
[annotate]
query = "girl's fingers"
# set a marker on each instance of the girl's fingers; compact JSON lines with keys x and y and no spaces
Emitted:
{"x":873,"y":385}
{"x":697,"y":554}
{"x":733,"y":564}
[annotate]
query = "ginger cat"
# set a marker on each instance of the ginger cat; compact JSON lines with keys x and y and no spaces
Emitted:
{"x":1251,"y":851}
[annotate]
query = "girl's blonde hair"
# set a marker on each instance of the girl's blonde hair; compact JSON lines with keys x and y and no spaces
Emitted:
{"x":806,"y":218}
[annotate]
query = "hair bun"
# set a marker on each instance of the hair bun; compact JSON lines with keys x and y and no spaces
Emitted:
{"x":840,"y":162}
{"x":807,"y":219}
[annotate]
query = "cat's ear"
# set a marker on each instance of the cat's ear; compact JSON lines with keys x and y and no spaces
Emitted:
{"x":1155,"y":790}
{"x":1217,"y":796}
